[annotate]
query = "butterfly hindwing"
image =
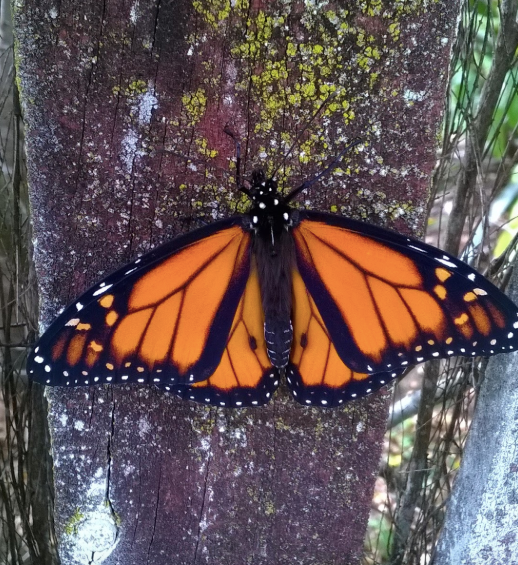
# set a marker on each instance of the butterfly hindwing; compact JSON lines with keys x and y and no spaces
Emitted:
{"x":163,"y":318}
{"x":316,"y":374}
{"x":244,"y":376}
{"x":389,"y":301}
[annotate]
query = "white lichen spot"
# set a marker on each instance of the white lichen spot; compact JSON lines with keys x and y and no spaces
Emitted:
{"x":203,"y":525}
{"x":412,"y":96}
{"x":133,"y":13}
{"x":205,"y":444}
{"x":129,"y":149}
{"x":144,"y":427}
{"x":79,"y":425}
{"x":95,"y":537}
{"x":144,"y":105}
{"x":147,"y":102}
{"x":238,"y":435}
{"x":128,"y":470}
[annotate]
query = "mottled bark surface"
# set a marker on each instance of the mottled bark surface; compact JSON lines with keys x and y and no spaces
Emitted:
{"x":480,"y":524}
{"x":125,"y":104}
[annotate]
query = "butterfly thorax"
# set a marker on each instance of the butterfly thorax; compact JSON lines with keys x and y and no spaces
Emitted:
{"x":269,"y":215}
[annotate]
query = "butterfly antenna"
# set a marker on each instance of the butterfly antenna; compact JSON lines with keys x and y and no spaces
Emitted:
{"x":302,"y":131}
{"x":237,"y":143}
{"x":334,"y":163}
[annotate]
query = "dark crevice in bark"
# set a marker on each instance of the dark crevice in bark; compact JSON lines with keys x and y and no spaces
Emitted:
{"x":155,"y":520}
{"x":109,"y":456}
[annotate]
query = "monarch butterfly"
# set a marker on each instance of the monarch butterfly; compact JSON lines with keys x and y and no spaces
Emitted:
{"x":339,"y":306}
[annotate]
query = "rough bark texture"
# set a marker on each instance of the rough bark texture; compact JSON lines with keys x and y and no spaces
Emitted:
{"x":126,"y":104}
{"x":480,"y":525}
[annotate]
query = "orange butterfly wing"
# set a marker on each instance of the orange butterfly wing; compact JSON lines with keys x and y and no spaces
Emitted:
{"x":316,"y":374}
{"x":244,"y":376}
{"x":164,"y":318}
{"x":388,"y":301}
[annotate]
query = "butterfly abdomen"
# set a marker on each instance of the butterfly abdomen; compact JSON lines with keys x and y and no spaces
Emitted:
{"x":275,"y":266}
{"x":278,"y":335}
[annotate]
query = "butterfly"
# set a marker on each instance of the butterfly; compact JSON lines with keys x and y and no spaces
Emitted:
{"x":340,"y":307}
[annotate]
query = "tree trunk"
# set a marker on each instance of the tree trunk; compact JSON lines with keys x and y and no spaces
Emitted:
{"x":126,"y":105}
{"x":480,"y":524}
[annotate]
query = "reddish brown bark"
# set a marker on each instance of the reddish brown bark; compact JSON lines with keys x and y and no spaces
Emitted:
{"x":118,"y":97}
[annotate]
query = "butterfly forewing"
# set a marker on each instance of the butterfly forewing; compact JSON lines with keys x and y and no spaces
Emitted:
{"x":164,"y":318}
{"x":389,"y":301}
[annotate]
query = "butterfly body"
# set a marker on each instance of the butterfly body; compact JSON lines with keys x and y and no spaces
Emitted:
{"x":217,"y":315}
{"x":271,"y":220}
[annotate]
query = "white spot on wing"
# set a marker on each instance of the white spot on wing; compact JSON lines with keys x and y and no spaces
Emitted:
{"x":102,"y":289}
{"x":445,"y":261}
{"x":417,"y":248}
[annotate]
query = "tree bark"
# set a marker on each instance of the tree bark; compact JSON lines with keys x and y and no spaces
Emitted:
{"x":126,"y":105}
{"x":480,"y":524}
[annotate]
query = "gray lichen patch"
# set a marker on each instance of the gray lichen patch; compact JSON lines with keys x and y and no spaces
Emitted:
{"x":92,"y":537}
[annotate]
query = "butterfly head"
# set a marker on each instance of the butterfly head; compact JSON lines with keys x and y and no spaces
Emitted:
{"x":269,"y":214}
